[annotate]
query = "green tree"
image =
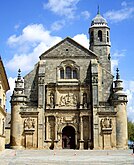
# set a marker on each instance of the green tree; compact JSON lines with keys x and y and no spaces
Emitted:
{"x":130,"y":130}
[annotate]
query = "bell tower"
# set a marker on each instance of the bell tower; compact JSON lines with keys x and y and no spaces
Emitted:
{"x":99,"y":33}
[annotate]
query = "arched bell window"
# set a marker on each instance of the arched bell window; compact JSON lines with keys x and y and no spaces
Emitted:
{"x":91,"y":37}
{"x":107,"y":36}
{"x":100,"y":35}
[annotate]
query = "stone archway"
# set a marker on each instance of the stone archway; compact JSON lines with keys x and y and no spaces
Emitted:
{"x":68,"y":138}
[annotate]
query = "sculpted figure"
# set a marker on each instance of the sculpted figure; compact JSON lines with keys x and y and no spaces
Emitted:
{"x":51,"y":100}
{"x":29,"y":123}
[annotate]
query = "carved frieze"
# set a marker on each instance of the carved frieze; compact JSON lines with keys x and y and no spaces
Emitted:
{"x":66,"y":119}
{"x":68,"y":100}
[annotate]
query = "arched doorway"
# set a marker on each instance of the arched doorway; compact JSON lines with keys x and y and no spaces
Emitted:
{"x":68,"y":137}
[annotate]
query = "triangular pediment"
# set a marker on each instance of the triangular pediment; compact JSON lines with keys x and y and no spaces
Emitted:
{"x":68,"y":48}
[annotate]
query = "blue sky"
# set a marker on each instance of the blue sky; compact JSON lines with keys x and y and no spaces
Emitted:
{"x":30,"y":27}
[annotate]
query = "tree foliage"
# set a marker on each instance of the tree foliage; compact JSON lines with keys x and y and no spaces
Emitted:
{"x":130,"y":130}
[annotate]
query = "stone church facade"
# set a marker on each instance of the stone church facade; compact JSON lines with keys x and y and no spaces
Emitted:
{"x":70,"y":100}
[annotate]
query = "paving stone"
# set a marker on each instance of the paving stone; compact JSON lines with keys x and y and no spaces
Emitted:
{"x":66,"y":157}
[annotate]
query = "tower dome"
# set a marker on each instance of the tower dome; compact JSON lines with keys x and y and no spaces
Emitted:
{"x":99,"y":20}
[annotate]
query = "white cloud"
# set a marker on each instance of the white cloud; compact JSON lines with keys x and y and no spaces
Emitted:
{"x":119,"y":53}
{"x":28,"y":46}
{"x":126,"y":12}
{"x":16,"y":26}
{"x":124,"y":4}
{"x":116,"y":55}
{"x":31,"y":36}
{"x":10,"y":92}
{"x":57,"y":25}
{"x":114,"y":65}
{"x":82,"y":39}
{"x":129,"y":90}
{"x":11,"y":84}
{"x":85,"y":14}
{"x":62,"y":7}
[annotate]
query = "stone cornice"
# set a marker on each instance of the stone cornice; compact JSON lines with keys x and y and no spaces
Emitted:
{"x":107,"y":113}
{"x":3,"y":136}
{"x":29,"y":113}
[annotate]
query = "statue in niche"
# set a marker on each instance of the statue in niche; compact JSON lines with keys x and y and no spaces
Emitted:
{"x":95,"y":79}
{"x":106,"y":123}
{"x":51,"y":100}
{"x":84,"y":100}
{"x":41,"y":80}
{"x":29,"y":123}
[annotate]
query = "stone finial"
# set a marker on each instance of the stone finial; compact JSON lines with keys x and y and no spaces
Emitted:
{"x":19,"y":76}
{"x":117,"y":74}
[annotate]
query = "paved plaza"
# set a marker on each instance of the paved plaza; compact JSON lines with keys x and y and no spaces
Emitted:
{"x":66,"y":157}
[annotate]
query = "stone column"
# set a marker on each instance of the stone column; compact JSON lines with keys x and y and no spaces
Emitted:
{"x":89,"y":140}
{"x":16,"y":126}
{"x":95,"y":101}
{"x":81,"y":133}
{"x":56,"y":135}
{"x":120,"y":102}
{"x":56,"y":129}
{"x":81,"y":128}
{"x":41,"y":102}
{"x":47,"y":128}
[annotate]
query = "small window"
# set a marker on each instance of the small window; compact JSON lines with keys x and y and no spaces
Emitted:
{"x":107,"y":36}
{"x":68,"y":72}
{"x":62,"y":74}
{"x":100,"y":35}
{"x":75,"y":74}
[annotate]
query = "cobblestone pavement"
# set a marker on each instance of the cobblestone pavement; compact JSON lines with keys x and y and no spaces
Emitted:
{"x":66,"y":157}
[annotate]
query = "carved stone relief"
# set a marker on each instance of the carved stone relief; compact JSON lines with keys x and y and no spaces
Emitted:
{"x":29,"y":123}
{"x":106,"y":123}
{"x":68,"y":100}
{"x":67,"y":119}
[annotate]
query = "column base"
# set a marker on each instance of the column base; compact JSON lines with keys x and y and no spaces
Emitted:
{"x":17,"y":147}
{"x":81,"y":144}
